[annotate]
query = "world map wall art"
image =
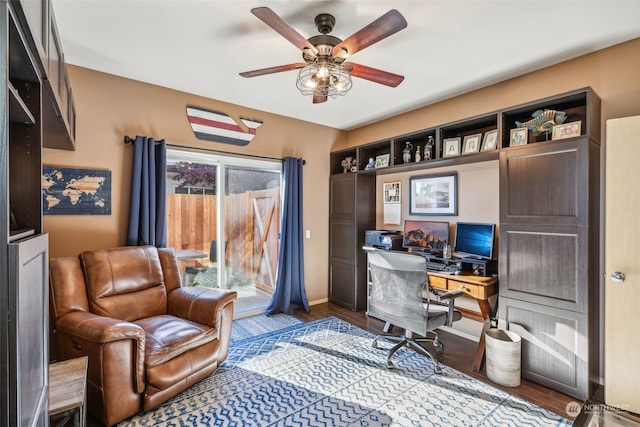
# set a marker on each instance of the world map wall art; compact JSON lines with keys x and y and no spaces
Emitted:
{"x":74,"y":191}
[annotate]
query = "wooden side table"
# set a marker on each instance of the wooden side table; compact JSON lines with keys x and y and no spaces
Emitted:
{"x":67,"y":391}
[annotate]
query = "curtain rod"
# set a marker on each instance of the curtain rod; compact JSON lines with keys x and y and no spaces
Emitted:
{"x":129,"y":140}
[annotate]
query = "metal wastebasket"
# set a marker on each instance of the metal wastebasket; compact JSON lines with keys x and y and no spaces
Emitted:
{"x":503,"y":352}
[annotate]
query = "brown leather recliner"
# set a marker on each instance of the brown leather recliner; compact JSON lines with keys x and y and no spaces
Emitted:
{"x":147,"y":337}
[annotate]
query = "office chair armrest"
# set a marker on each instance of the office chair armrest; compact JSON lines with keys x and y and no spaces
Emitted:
{"x":448,"y":295}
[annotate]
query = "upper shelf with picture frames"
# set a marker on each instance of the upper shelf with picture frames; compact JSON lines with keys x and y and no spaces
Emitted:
{"x":573,"y":114}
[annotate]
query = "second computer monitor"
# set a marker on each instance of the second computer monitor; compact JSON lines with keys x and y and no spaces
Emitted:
{"x":429,"y":236}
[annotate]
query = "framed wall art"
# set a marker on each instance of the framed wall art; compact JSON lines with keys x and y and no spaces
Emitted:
{"x":75,"y":191}
{"x":472,"y":143}
{"x":490,"y":141}
{"x":433,"y":194}
{"x":451,"y":147}
{"x":519,"y":136}
{"x":566,"y":130}
{"x":382,"y":161}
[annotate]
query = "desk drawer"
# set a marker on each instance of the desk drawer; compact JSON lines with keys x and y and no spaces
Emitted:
{"x":438,"y":282}
{"x":476,"y":291}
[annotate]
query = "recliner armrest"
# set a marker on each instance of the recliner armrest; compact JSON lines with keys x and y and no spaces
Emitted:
{"x":89,"y":327}
{"x":199,"y":304}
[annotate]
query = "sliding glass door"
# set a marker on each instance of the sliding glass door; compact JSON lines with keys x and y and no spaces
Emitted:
{"x":223,"y":219}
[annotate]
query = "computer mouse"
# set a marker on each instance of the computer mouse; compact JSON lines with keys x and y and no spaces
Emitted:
{"x":457,"y":272}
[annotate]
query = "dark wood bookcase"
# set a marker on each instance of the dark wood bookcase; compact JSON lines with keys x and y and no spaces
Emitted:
{"x":37,"y":111}
{"x":549,"y":226}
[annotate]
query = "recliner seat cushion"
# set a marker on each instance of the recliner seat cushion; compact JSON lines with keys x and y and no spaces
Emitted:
{"x":168,"y":337}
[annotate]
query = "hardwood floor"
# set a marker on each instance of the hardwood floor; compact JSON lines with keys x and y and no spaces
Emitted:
{"x":458,"y":354}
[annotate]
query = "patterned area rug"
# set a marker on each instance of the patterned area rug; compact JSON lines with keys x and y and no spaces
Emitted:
{"x":326,"y":373}
{"x":258,"y":325}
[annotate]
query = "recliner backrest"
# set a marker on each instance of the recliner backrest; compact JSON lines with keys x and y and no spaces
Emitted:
{"x":125,"y":283}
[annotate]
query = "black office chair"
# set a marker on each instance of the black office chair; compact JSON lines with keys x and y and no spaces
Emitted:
{"x":397,"y":281}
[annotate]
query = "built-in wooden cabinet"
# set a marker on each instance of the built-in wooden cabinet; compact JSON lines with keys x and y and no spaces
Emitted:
{"x":351,"y":212}
{"x":549,"y":249}
{"x":24,"y":302}
{"x":549,"y":227}
{"x":58,"y":109}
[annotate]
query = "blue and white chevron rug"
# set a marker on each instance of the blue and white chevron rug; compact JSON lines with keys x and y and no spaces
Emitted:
{"x":327,"y":373}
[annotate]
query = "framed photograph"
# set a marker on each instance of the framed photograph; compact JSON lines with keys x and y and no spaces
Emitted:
{"x":566,"y":130}
{"x":490,"y":141}
{"x":451,"y":147}
{"x":382,"y":161}
{"x":471,"y":143}
{"x":519,"y":136}
{"x":433,"y":194}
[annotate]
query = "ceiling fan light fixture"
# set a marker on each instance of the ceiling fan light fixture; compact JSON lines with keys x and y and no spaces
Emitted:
{"x":323,"y":76}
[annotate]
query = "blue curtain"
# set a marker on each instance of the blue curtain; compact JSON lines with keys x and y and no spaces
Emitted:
{"x":147,"y":212}
{"x":290,"y":294}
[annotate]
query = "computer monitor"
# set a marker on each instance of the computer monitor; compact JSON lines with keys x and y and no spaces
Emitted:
{"x":429,"y":236}
{"x":474,"y":240}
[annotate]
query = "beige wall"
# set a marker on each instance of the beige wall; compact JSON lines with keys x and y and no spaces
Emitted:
{"x":612,"y":73}
{"x":110,"y":107}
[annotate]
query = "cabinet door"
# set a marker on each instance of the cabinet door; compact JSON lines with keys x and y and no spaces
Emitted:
{"x":36,"y":14}
{"x":342,"y":289}
{"x":28,"y":337}
{"x":554,"y":345}
{"x":545,"y":183}
{"x":545,"y":264}
{"x":342,"y":196}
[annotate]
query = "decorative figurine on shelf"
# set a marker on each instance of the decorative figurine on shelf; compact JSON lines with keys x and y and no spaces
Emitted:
{"x":428,"y":148}
{"x":346,"y":164}
{"x":543,"y":121}
{"x":418,"y":158}
{"x":354,"y":165}
{"x":371,"y":164}
{"x":406,"y":152}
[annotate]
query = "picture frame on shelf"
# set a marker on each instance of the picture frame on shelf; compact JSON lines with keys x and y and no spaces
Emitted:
{"x":490,"y":141}
{"x":433,"y":194}
{"x":471,"y":143}
{"x":519,"y":136}
{"x":451,"y":147}
{"x":382,"y":161}
{"x":567,"y":130}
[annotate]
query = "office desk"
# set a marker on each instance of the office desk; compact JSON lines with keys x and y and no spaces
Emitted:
{"x":478,"y":287}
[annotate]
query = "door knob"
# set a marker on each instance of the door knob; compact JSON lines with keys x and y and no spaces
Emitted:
{"x":618,"y":276}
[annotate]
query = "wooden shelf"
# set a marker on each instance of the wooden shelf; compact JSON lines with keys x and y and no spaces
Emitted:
{"x":580,"y":104}
{"x":18,"y":110}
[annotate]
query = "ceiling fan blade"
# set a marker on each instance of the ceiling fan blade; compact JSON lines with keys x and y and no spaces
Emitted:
{"x":388,"y":24}
{"x":270,"y":18}
{"x":272,"y":70}
{"x":373,"y":74}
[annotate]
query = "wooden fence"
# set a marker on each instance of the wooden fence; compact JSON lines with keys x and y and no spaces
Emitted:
{"x":252,"y":228}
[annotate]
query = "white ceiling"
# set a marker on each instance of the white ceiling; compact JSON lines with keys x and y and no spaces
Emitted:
{"x":449,"y":47}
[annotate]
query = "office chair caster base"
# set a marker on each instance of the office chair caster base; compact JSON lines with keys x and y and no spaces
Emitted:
{"x":390,"y":364}
{"x":439,"y":349}
{"x":437,"y":369}
{"x":375,"y":344}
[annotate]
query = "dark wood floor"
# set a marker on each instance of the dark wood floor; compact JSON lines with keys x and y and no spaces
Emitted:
{"x":458,"y":354}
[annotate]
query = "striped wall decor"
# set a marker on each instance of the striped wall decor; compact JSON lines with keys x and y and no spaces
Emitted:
{"x":220,"y":127}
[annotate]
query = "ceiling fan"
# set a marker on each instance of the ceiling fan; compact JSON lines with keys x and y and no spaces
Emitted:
{"x":325,"y":71}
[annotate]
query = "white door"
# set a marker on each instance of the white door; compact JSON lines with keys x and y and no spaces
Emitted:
{"x":622,"y":264}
